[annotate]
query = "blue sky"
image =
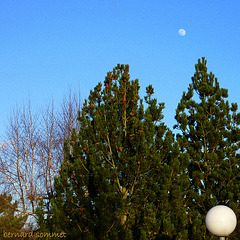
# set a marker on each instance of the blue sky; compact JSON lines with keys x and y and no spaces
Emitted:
{"x":48,"y":46}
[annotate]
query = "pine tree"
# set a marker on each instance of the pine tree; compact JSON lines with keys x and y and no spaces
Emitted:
{"x":210,"y":139}
{"x":122,"y":177}
{"x":9,"y":221}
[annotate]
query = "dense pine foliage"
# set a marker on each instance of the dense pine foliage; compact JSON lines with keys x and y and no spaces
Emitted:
{"x":10,"y":221}
{"x":127,"y":176}
{"x":210,"y":137}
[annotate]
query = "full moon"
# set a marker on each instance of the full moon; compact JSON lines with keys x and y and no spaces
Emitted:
{"x":182,"y":32}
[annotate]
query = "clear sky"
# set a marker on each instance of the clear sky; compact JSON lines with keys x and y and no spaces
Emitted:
{"x":48,"y":46}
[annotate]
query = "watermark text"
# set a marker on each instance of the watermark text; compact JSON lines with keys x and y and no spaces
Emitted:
{"x":32,"y":234}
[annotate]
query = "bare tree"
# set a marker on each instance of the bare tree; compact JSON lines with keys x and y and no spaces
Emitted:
{"x":19,"y":156}
{"x":33,"y":151}
{"x":67,"y":118}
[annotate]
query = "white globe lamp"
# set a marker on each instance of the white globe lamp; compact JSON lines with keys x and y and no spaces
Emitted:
{"x":221,"y":221}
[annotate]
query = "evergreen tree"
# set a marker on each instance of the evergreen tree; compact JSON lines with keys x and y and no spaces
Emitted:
{"x":9,"y":221}
{"x":122,"y":177}
{"x":210,"y":139}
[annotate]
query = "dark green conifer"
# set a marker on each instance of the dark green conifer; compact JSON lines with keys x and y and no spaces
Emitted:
{"x":210,"y":138}
{"x":122,"y":177}
{"x":10,"y":221}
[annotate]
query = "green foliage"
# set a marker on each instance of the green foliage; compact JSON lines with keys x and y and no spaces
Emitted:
{"x":125,"y":175}
{"x":210,"y":138}
{"x":9,"y":220}
{"x":48,"y":222}
{"x":121,"y":176}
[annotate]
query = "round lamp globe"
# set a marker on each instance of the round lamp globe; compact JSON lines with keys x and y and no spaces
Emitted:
{"x":221,"y":221}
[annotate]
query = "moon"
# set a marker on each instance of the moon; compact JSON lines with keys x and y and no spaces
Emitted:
{"x":182,"y":32}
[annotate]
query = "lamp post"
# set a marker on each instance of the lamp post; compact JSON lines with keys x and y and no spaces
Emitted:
{"x":221,"y":221}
